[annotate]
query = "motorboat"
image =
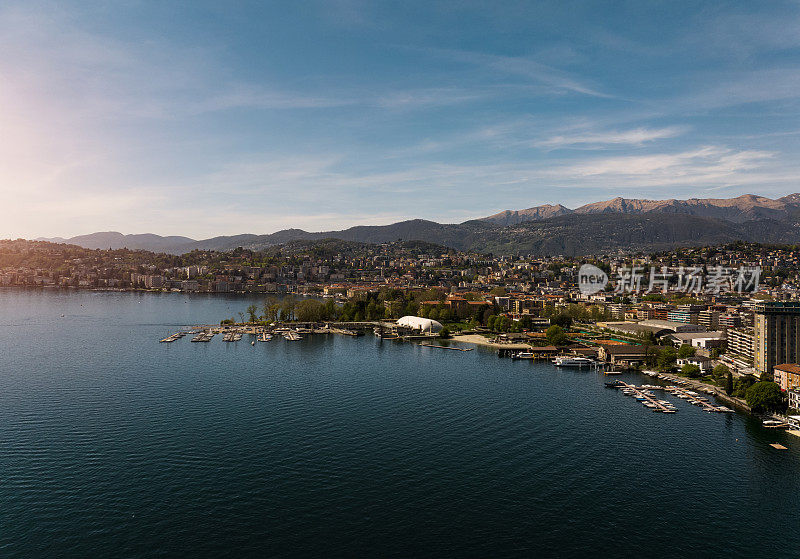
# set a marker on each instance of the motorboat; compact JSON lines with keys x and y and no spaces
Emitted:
{"x":569,"y":361}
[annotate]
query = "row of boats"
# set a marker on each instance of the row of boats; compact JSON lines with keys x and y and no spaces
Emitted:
{"x":644,"y":394}
{"x":648,"y":400}
{"x":291,"y":335}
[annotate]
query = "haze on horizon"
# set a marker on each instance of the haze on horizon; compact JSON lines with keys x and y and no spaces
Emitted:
{"x":223,"y":118}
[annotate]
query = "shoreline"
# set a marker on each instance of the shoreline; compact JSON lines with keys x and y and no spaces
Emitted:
{"x":477,"y":339}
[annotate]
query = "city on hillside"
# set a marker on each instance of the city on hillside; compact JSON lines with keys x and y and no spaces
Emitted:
{"x":728,"y":315}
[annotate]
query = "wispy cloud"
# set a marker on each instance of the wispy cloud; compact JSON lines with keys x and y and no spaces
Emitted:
{"x":633,"y":137}
{"x":526,"y":67}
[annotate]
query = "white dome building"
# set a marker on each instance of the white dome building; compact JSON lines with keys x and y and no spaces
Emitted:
{"x":421,"y":324}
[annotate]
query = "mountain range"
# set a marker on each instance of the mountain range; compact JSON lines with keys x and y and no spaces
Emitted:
{"x":618,"y":224}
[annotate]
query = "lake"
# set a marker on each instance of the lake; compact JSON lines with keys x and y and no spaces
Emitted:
{"x":113,"y":445}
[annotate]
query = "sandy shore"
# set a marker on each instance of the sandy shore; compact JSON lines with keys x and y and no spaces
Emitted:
{"x":477,"y":339}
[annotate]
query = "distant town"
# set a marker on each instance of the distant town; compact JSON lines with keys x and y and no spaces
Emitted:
{"x":721,"y":336}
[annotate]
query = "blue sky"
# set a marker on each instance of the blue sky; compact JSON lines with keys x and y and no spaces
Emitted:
{"x":220,"y":118}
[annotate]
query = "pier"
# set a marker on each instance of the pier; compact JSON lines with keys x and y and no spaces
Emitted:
{"x":447,"y":347}
{"x":696,"y":400}
{"x":172,"y":337}
{"x":643,"y":394}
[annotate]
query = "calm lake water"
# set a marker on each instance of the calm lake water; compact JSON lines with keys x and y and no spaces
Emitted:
{"x":113,"y":445}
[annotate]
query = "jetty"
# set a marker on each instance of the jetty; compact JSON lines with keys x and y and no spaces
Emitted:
{"x":447,"y":347}
{"x":203,"y":337}
{"x":696,"y":400}
{"x":643,"y":395}
{"x":172,"y":337}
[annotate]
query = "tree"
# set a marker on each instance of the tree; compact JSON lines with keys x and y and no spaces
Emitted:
{"x":720,"y":371}
{"x":666,"y":359}
{"x":287,"y":307}
{"x":742,"y":384}
{"x":765,"y":396}
{"x":272,"y":308}
{"x":562,"y":320}
{"x":555,"y":335}
{"x":252,"y":313}
{"x":691,"y":371}
{"x":729,"y":384}
{"x":686,"y":351}
{"x":309,"y":310}
{"x":444,"y":333}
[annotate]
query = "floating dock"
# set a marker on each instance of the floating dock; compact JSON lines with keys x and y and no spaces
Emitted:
{"x":447,"y":347}
{"x":172,"y":337}
{"x":203,"y":337}
{"x":643,"y":395}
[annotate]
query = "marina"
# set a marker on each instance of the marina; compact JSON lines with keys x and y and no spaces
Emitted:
{"x":645,"y":395}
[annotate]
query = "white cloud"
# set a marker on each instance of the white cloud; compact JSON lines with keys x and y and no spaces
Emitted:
{"x":635,"y":137}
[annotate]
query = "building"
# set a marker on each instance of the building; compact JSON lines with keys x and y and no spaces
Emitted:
{"x":730,"y":320}
{"x":704,"y":363}
{"x":617,"y":310}
{"x":704,"y":340}
{"x":420,"y":324}
{"x":776,"y":327}
{"x":787,"y":376}
{"x":794,"y":403}
{"x":709,"y":319}
{"x":674,"y":326}
{"x":625,"y":355}
{"x":687,"y":314}
{"x":741,"y":341}
{"x":645,"y":313}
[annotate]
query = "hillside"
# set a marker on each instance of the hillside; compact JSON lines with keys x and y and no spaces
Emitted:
{"x":739,"y":210}
{"x":618,"y":224}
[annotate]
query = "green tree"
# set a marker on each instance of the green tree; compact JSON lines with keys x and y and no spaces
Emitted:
{"x":555,"y":335}
{"x":666,"y":359}
{"x":765,"y":396}
{"x":309,"y":310}
{"x":720,"y":372}
{"x":686,"y":351}
{"x":287,"y":307}
{"x":729,"y":384}
{"x":562,"y":320}
{"x":742,"y":384}
{"x":444,"y":333}
{"x":272,"y":309}
{"x":691,"y":371}
{"x":252,"y":313}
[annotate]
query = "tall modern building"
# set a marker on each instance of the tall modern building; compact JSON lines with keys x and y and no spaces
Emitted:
{"x":776,"y":334}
